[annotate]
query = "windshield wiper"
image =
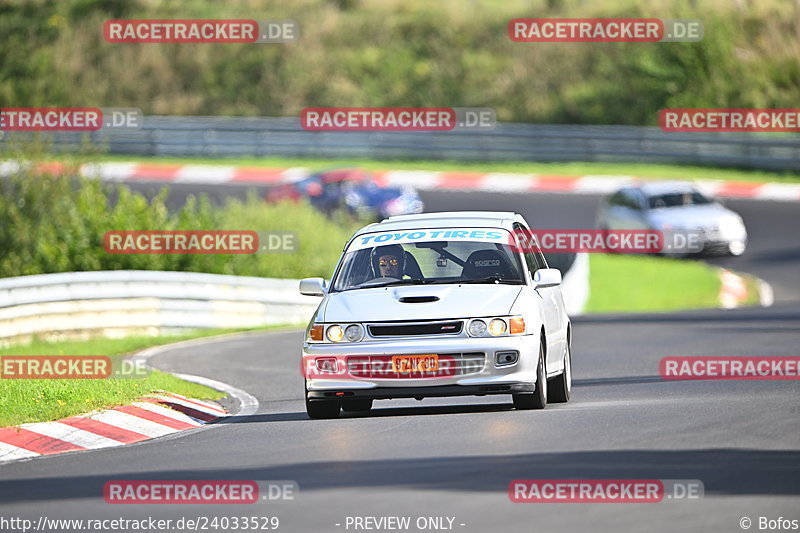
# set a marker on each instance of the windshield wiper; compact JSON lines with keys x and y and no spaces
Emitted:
{"x":493,"y":279}
{"x":367,"y":285}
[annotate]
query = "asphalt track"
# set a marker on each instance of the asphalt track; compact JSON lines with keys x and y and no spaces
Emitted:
{"x":456,"y":457}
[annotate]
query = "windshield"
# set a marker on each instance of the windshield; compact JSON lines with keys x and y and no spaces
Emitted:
{"x":678,"y":199}
{"x":486,"y":258}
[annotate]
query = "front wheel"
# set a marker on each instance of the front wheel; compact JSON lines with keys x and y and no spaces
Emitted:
{"x":561,"y":387}
{"x":537,"y":400}
{"x":322,"y":409}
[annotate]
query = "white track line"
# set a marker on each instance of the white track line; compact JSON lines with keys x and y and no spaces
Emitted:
{"x":248,"y":404}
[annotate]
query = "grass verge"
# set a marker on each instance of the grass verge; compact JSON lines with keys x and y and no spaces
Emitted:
{"x":576,"y":168}
{"x":40,"y":400}
{"x":624,"y":283}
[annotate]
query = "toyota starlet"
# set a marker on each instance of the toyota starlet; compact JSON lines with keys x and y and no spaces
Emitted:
{"x":433,"y":305}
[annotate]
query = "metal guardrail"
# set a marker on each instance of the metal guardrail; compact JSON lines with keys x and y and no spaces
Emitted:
{"x":118,"y":303}
{"x":262,"y":137}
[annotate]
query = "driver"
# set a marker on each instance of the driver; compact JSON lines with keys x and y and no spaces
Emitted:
{"x":389,"y":261}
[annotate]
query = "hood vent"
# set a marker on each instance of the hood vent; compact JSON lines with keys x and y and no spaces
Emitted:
{"x":418,"y":299}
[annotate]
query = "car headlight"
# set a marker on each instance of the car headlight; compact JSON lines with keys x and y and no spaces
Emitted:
{"x":354,"y":333}
{"x":476,"y":328}
{"x":731,"y":226}
{"x":335,"y":333}
{"x":497,"y":327}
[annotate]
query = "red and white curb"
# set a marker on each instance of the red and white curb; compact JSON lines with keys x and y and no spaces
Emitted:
{"x":514,"y":183}
{"x":733,"y":290}
{"x":153,"y":416}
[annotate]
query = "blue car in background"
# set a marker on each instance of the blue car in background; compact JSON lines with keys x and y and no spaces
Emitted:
{"x":351,"y":189}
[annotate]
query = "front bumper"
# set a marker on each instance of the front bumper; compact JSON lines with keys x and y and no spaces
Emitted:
{"x":477,"y":376}
{"x":715,"y":241}
{"x":387,"y":393}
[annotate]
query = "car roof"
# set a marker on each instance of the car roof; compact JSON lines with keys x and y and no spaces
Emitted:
{"x":666,"y":187}
{"x":455,"y":219}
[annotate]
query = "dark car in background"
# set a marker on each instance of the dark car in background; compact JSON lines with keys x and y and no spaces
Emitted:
{"x":353,"y":190}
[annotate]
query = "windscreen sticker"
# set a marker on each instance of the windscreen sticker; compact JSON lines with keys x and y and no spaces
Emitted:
{"x":371,"y":240}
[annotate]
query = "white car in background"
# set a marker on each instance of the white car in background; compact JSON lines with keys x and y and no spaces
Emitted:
{"x":438,"y":304}
{"x":674,"y":207}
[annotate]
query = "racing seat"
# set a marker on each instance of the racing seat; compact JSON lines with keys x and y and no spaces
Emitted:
{"x":485,"y":263}
{"x":412,"y":269}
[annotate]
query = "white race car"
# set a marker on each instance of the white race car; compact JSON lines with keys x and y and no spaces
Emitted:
{"x":675,"y":207}
{"x":438,"y":304}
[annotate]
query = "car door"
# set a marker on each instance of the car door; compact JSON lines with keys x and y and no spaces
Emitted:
{"x":625,"y":210}
{"x":552,"y":304}
{"x":638,"y":209}
{"x":612,"y":211}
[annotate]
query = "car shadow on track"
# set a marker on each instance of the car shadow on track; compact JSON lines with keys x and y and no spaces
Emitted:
{"x":376,"y":412}
{"x":427,"y":410}
{"x":432,"y":410}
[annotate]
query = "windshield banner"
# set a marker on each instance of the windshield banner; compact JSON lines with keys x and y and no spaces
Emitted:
{"x":371,"y":240}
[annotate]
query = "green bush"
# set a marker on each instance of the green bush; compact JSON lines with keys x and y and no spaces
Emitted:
{"x":402,"y":53}
{"x":56,"y":224}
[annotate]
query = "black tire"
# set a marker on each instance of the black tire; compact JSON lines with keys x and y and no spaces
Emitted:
{"x":322,"y":409}
{"x":560,"y":389}
{"x":537,"y":399}
{"x":364,"y":404}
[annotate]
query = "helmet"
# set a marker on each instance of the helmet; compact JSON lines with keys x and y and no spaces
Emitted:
{"x":391,"y":249}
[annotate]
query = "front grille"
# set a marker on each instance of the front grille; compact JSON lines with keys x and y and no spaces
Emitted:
{"x":380,"y":366}
{"x":715,"y":247}
{"x":399,"y":330}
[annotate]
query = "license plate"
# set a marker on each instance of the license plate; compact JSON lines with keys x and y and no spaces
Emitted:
{"x":404,"y":364}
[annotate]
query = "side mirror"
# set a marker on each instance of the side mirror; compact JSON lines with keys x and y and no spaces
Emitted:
{"x":546,"y":277}
{"x":313,"y":287}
